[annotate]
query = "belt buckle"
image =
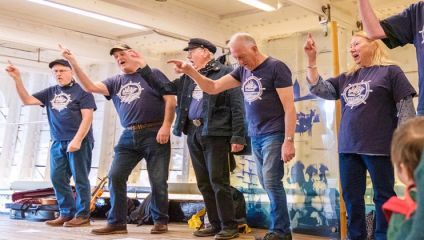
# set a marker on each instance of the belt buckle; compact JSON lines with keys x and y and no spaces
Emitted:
{"x":197,"y":122}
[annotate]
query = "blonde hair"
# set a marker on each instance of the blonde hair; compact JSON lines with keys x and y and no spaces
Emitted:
{"x":408,"y":144}
{"x":380,"y":56}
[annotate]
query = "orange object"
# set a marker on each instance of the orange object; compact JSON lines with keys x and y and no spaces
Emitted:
{"x":97,"y":192}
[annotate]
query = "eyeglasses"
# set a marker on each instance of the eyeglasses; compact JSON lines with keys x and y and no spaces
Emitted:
{"x":190,"y":51}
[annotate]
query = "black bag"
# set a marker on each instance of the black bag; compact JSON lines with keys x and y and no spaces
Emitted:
{"x":239,"y":206}
{"x":33,"y":212}
{"x":142,"y":215}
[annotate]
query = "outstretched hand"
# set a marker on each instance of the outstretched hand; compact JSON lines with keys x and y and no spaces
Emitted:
{"x":310,"y":48}
{"x":181,"y":66}
{"x":12,"y":70}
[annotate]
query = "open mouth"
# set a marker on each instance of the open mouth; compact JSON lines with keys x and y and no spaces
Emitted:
{"x":355,"y":56}
{"x":122,"y":62}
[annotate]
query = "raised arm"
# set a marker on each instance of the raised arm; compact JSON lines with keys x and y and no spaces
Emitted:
{"x":370,"y":21}
{"x":86,"y":83}
{"x":206,"y":84}
{"x":318,"y":87}
{"x":25,"y":97}
{"x":168,"y":88}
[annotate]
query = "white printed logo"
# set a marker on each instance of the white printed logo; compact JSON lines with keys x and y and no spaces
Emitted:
{"x":130,"y":92}
{"x":422,"y":35}
{"x":60,"y":101}
{"x":252,"y":89}
{"x":356,"y":94}
{"x":197,"y":93}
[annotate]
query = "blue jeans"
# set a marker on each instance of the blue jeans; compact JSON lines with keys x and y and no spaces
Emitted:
{"x":131,"y":148}
{"x":65,"y":165}
{"x":266,"y":151}
{"x":353,"y":168}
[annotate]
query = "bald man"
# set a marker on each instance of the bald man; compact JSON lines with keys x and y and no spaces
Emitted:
{"x":268,"y":95}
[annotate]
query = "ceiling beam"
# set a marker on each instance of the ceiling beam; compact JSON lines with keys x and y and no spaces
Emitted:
{"x":344,"y":19}
{"x":89,"y":48}
{"x":162,"y":17}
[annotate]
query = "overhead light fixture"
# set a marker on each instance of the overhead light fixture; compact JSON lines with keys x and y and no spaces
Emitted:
{"x":260,"y":5}
{"x":90,"y":14}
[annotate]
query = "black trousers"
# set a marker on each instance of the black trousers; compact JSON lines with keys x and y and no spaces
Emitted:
{"x":209,"y":155}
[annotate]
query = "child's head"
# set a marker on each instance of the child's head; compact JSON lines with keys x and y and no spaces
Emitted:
{"x":407,"y":147}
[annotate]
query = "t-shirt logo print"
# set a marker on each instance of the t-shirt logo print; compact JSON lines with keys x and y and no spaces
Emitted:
{"x":130,"y":92}
{"x":422,"y":35}
{"x":60,"y":101}
{"x":197,"y":93}
{"x":252,"y":89}
{"x":356,"y":94}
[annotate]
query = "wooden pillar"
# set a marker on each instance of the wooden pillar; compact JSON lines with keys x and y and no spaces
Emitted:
{"x":336,"y":72}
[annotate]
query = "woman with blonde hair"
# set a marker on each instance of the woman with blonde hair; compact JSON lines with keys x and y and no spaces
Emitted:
{"x":375,"y":96}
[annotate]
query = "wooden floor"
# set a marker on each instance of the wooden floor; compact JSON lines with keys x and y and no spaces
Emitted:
{"x":26,"y":230}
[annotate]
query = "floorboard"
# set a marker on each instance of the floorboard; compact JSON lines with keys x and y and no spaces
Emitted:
{"x":26,"y":230}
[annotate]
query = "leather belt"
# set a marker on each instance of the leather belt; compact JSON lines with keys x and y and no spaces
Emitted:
{"x":139,"y":126}
{"x":197,"y":122}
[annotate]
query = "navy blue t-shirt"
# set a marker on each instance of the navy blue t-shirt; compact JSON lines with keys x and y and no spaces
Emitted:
{"x":369,"y":113}
{"x":135,"y":101}
{"x":64,"y":106}
{"x":264,"y":110}
{"x":196,"y":105}
{"x":408,"y":27}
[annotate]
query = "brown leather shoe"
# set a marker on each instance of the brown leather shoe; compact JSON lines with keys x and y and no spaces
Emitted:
{"x":159,"y":228}
{"x":77,"y":222}
{"x":110,"y":229}
{"x":58,"y":221}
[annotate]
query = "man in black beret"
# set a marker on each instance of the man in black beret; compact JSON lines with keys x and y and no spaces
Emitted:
{"x":214,"y":125}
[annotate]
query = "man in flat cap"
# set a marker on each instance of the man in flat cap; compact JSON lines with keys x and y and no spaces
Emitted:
{"x":268,"y":95}
{"x":147,"y":117}
{"x":214,"y":125}
{"x":70,"y":113}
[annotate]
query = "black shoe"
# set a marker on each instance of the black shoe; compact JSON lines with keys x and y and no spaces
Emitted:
{"x":206,"y":232}
{"x":227,"y":234}
{"x":274,"y":236}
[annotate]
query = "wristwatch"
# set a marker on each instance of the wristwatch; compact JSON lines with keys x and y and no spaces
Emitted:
{"x":290,"y":139}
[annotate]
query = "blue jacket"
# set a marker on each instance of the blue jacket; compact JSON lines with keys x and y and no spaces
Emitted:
{"x":223,"y":113}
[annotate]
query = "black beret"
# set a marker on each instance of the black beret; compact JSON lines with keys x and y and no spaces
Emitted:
{"x":199,"y":42}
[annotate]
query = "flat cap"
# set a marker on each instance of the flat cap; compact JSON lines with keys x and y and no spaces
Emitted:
{"x":202,"y":43}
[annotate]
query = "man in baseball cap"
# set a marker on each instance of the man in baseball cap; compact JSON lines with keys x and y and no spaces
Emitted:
{"x":119,"y":47}
{"x":69,"y":114}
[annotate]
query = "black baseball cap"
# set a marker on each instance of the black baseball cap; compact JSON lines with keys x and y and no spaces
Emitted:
{"x":62,"y":62}
{"x":119,"y":47}
{"x":202,"y":43}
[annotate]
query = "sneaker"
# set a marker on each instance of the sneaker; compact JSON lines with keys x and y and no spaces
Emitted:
{"x":58,"y":221}
{"x":227,"y":234}
{"x":206,"y":232}
{"x":77,"y":222}
{"x":159,"y":228}
{"x":110,"y":229}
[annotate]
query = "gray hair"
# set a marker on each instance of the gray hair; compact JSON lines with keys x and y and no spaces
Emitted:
{"x":244,"y":38}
